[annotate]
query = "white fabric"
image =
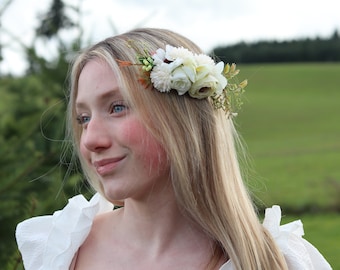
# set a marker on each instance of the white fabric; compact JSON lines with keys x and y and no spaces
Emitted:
{"x":299,"y":253}
{"x":50,"y":242}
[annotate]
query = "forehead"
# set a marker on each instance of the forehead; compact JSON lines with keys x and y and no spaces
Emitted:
{"x":96,"y":79}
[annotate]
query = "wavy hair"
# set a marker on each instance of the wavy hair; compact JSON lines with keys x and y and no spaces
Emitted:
{"x":201,"y":145}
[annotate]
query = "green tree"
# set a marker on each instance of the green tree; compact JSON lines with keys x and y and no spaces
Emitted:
{"x":36,"y":178}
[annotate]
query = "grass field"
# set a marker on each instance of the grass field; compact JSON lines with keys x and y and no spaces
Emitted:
{"x":291,"y":124}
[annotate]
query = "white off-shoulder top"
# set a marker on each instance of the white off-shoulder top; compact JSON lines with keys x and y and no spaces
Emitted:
{"x":50,"y":242}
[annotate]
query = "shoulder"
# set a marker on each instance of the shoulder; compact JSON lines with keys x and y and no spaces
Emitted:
{"x":50,"y":242}
{"x":102,"y":225}
{"x":100,"y":242}
{"x":298,"y":252}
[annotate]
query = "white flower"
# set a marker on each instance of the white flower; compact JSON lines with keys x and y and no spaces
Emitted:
{"x":170,"y":71}
{"x":222,"y":81}
{"x":158,"y":57}
{"x":173,"y":53}
{"x":203,"y":59}
{"x":179,"y":69}
{"x":180,"y":81}
{"x":205,"y":65}
{"x":203,"y":87}
{"x":203,"y":71}
{"x":161,"y":77}
{"x":209,"y":79}
{"x":185,"y":56}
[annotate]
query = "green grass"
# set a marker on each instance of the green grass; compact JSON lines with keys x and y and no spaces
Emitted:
{"x":291,"y":124}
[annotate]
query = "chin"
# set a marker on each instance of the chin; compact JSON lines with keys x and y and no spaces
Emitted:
{"x":115,"y":194}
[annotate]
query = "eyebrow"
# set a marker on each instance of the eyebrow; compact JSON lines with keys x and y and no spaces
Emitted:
{"x":108,"y":94}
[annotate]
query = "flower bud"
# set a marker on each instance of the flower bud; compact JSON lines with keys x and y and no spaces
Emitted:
{"x":243,"y":84}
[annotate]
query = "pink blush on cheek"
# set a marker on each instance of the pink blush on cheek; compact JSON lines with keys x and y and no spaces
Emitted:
{"x":145,"y":147}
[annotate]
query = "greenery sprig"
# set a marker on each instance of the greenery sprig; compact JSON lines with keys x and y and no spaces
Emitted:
{"x":230,"y":100}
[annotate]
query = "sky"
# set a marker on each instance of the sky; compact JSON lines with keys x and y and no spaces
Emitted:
{"x":209,"y":23}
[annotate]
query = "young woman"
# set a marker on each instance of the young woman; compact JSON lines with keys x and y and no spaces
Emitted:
{"x":151,"y":120}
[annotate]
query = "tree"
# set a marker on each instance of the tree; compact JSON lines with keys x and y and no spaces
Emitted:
{"x":54,"y":21}
{"x":32,"y":134}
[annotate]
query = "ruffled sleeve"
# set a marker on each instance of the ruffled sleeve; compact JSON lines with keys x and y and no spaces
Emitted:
{"x":50,"y":242}
{"x":298,"y":252}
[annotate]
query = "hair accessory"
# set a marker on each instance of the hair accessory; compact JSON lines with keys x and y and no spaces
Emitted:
{"x":177,"y":68}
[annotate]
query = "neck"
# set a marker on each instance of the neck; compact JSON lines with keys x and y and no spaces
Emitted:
{"x":156,"y":225}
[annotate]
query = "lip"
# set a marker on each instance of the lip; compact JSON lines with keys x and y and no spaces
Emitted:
{"x":107,"y":166}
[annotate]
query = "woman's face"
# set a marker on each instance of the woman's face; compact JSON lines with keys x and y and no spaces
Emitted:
{"x":129,"y":162}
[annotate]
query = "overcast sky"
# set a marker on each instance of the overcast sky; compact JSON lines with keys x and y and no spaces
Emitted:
{"x":209,"y":23}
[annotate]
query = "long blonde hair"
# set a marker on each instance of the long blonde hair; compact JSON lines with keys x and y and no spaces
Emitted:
{"x":200,"y":142}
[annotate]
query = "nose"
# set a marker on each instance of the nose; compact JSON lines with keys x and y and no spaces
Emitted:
{"x":96,"y":137}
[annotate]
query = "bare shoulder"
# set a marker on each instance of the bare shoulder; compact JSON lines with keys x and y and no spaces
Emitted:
{"x":100,"y":240}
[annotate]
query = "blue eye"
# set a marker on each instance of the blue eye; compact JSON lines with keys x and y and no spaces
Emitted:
{"x":83,"y":119}
{"x":118,"y":108}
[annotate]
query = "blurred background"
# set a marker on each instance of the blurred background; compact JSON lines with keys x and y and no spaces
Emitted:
{"x":289,"y":51}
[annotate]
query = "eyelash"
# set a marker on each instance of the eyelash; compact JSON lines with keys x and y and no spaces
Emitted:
{"x":84,"y":119}
{"x":118,"y":104}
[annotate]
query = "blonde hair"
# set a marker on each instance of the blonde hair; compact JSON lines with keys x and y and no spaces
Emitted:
{"x":200,"y":143}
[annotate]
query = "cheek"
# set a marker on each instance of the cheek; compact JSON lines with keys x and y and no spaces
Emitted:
{"x":145,"y":147}
{"x":83,"y":152}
